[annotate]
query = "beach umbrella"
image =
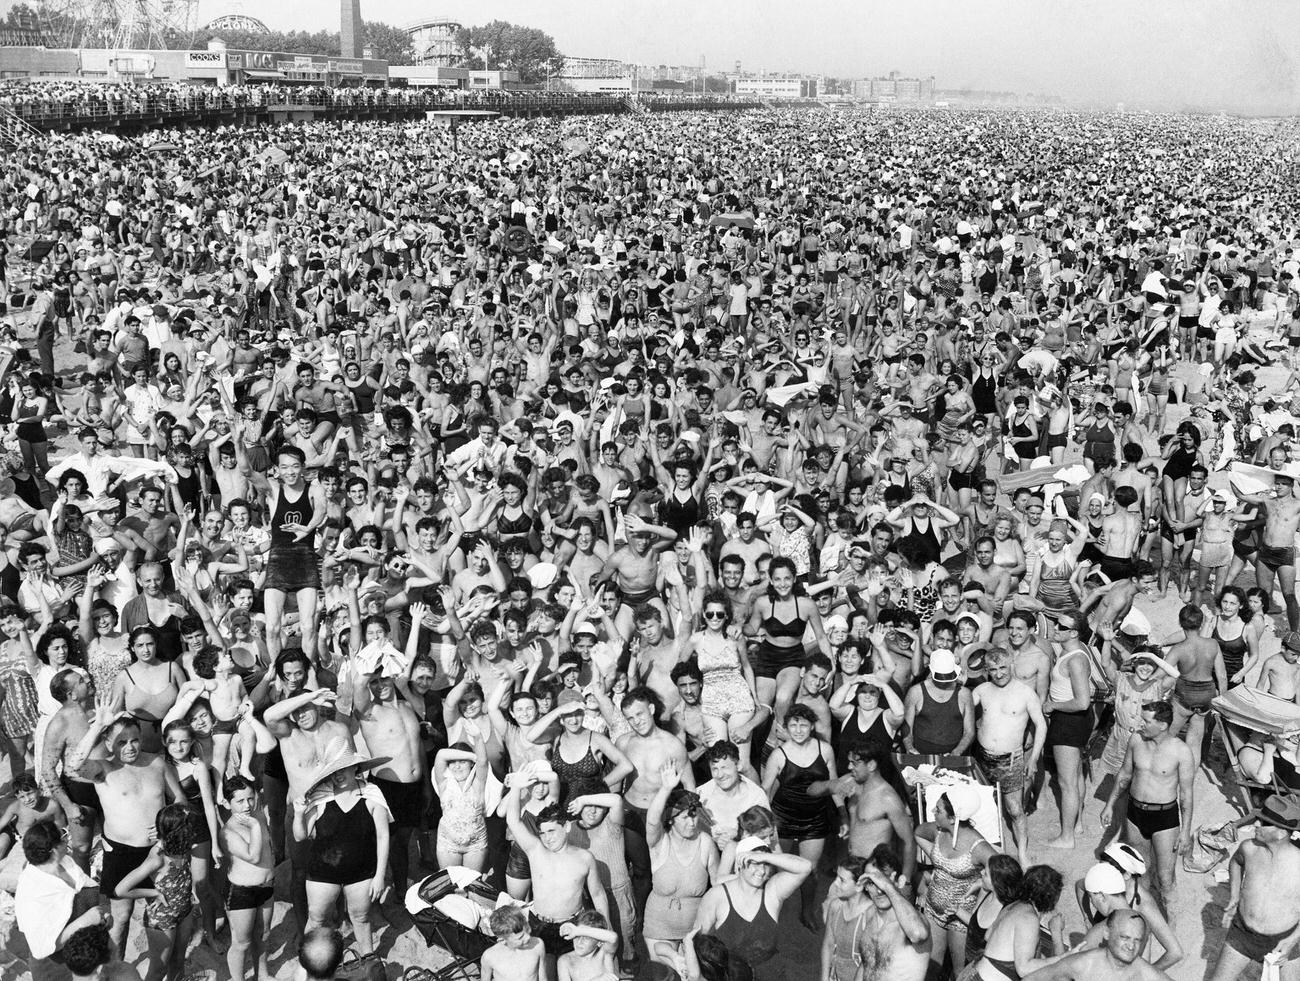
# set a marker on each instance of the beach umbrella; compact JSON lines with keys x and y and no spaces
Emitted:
{"x":726,"y":220}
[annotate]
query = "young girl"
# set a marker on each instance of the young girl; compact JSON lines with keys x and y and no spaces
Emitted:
{"x":167,"y":921}
{"x":251,"y":874}
{"x":459,"y":776}
{"x":181,"y":753}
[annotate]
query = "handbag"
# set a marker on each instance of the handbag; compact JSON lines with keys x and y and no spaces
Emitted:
{"x":367,"y":968}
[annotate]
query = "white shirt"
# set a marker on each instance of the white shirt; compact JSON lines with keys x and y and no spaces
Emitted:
{"x":725,"y":808}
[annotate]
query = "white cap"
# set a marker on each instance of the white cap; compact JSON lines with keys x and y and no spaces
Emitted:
{"x":943,"y":663}
{"x":543,"y":574}
{"x":1104,"y":878}
{"x":1135,"y":624}
{"x":1127,"y":858}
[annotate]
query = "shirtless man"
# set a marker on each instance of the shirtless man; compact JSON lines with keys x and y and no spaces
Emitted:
{"x":1031,"y":661}
{"x":1201,"y":676}
{"x":1009,"y":707}
{"x":648,"y":748}
{"x":995,"y":579}
{"x":1281,"y":673}
{"x":687,"y":717}
{"x":1263,"y":911}
{"x":877,"y":815}
{"x":731,"y":576}
{"x":657,"y":654}
{"x":634,"y":568}
{"x":895,"y":936}
{"x":1276,"y":555}
{"x":747,"y":546}
{"x":391,"y":728}
{"x":1121,"y":530}
{"x":1113,"y":600}
{"x":133,"y":786}
{"x":1119,"y":960}
{"x":75,"y":795}
{"x":1159,"y":767}
{"x":305,"y":738}
{"x":565,"y":868}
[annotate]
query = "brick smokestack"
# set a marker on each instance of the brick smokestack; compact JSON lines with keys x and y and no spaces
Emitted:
{"x":350,"y":28}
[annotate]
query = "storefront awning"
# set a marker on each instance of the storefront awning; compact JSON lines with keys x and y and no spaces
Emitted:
{"x":258,"y":73}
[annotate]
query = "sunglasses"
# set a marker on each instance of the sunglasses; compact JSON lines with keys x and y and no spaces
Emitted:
{"x":714,"y":615}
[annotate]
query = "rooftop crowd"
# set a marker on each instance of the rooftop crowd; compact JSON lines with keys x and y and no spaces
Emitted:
{"x":626,"y":504}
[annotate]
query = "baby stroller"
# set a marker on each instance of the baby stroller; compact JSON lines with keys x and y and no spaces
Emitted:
{"x":453,"y":919}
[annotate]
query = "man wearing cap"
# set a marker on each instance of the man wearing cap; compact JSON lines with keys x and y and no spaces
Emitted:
{"x":940,"y":715}
{"x":1119,"y":960}
{"x":1276,"y":555}
{"x":1263,"y":910}
{"x":1008,"y":707}
{"x":1157,"y":773}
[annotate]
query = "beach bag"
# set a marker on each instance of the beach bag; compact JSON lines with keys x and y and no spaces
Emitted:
{"x":368,"y":968}
{"x":1211,"y":847}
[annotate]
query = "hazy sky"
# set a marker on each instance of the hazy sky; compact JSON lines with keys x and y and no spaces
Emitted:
{"x":1179,"y":53}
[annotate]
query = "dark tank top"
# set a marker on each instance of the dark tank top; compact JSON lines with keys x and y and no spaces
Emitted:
{"x":298,"y":511}
{"x":754,"y":940}
{"x":938,"y":726}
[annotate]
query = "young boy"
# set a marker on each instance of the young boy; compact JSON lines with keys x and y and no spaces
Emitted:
{"x":225,"y":692}
{"x":592,"y":957}
{"x":30,"y":808}
{"x":251,"y":875}
{"x":517,"y":955}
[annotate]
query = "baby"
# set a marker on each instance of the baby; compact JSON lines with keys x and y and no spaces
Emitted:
{"x":517,"y":955}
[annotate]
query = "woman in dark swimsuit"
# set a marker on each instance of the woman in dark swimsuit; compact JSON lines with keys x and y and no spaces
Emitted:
{"x":743,"y":913}
{"x":802,"y":819}
{"x":1001,"y":879}
{"x":578,"y":756}
{"x":1023,"y":429}
{"x":778,"y":656}
{"x":1097,"y":433}
{"x":345,"y":823}
{"x":682,"y":507}
{"x":515,"y":519}
{"x":863,"y":721}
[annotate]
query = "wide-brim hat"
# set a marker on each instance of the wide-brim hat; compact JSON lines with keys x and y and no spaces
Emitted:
{"x":342,"y":760}
{"x":1281,"y":811}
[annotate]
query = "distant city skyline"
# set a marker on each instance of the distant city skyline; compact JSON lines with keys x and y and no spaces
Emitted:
{"x":1192,"y":54}
{"x":1207,"y":55}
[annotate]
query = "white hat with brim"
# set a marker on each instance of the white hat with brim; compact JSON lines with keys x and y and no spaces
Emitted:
{"x":344,"y":760}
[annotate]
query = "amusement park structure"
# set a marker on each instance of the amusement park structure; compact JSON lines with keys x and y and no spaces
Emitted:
{"x":119,"y":23}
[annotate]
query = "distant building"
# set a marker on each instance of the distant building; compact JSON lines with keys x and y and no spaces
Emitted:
{"x":893,"y":88}
{"x":433,"y":76}
{"x":593,"y":75}
{"x":776,"y":86}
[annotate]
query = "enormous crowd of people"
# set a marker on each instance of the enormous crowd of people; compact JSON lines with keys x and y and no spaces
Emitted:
{"x":625,"y":509}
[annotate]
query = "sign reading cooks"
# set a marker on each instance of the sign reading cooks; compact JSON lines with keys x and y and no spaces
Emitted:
{"x":205,"y":59}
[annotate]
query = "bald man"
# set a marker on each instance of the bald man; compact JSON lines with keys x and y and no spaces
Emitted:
{"x":320,"y":954}
{"x":1118,"y":960}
